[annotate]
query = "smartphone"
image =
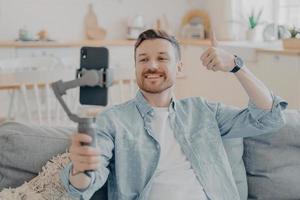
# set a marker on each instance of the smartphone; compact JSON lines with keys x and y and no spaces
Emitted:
{"x":93,"y":58}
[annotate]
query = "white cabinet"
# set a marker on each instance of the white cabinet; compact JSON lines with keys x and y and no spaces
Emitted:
{"x":58,"y":52}
{"x":6,"y":53}
{"x":70,"y":56}
{"x":281,"y":73}
{"x":119,"y":56}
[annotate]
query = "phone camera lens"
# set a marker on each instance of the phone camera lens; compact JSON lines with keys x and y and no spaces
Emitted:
{"x":84,"y":53}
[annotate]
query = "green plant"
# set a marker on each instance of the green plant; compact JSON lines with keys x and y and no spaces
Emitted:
{"x":254,"y":19}
{"x":251,"y":21}
{"x":294,"y":32}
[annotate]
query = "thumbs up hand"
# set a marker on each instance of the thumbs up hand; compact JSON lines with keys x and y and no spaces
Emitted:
{"x":217,"y":59}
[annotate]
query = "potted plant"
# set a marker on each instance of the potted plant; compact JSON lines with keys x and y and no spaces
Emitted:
{"x":253,"y":21}
{"x":294,"y":41}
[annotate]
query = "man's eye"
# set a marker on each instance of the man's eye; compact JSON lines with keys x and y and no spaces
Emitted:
{"x":143,"y":60}
{"x":161,"y":58}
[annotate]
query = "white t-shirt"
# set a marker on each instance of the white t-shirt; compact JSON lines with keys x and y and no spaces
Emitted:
{"x":174,"y":177}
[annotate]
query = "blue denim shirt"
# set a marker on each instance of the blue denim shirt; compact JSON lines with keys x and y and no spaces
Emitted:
{"x":130,"y":153}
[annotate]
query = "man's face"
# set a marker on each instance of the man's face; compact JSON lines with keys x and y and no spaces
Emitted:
{"x":156,"y":65}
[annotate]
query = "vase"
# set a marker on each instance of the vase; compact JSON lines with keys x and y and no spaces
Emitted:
{"x":251,"y":35}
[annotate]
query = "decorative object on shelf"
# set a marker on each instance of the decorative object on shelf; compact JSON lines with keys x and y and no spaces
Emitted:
{"x":135,"y":27}
{"x":251,"y":22}
{"x":294,"y":32}
{"x":193,"y":30}
{"x":294,"y":41}
{"x":195,"y":25}
{"x":274,"y":32}
{"x":92,"y":30}
{"x":162,"y":23}
{"x":43,"y":36}
{"x":25,"y":35}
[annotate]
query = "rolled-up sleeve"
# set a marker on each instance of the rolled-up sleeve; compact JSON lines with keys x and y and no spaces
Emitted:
{"x":251,"y":121}
{"x":99,"y":176}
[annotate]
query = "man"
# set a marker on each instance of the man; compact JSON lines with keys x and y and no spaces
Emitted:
{"x":156,"y":147}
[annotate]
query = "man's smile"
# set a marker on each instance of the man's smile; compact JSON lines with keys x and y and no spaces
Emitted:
{"x":153,"y":76}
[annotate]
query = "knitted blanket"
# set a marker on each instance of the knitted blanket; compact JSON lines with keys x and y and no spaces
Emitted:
{"x":45,"y":186}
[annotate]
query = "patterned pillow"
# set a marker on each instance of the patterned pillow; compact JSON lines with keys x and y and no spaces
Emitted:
{"x":47,"y":185}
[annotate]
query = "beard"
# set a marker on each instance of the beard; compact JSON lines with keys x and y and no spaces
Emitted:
{"x":154,"y":86}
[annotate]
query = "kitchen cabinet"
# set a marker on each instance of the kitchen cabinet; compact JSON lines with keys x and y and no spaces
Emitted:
{"x":119,"y":56}
{"x":281,"y":73}
{"x":6,"y":53}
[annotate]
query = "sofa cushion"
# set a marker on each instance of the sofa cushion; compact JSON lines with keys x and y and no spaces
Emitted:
{"x":24,"y":149}
{"x":272,"y":161}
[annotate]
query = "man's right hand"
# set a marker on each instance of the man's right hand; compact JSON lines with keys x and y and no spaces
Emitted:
{"x":83,"y":157}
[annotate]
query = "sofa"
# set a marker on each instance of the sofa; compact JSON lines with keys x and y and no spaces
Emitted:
{"x":265,"y":167}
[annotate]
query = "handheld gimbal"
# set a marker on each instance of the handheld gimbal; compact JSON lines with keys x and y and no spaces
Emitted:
{"x":102,"y":78}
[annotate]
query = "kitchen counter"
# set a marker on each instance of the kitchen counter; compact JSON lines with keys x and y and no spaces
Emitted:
{"x":55,"y":44}
{"x":46,"y":44}
{"x":295,"y":52}
{"x":266,"y":47}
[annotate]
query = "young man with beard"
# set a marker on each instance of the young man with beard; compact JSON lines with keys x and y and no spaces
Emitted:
{"x":155,"y":147}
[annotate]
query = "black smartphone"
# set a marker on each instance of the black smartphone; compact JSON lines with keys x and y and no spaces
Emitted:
{"x":93,"y":58}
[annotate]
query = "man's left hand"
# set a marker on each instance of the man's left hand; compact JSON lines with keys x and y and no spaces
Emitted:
{"x":217,"y":59}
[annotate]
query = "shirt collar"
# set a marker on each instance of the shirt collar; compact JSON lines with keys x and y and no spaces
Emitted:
{"x":144,"y":107}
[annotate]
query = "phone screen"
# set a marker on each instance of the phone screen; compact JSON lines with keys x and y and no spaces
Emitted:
{"x":94,"y":58}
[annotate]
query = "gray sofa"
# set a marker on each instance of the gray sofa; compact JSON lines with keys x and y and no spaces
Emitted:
{"x":264,"y":167}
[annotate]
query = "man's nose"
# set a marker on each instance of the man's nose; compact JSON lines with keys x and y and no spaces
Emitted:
{"x":153,"y":65}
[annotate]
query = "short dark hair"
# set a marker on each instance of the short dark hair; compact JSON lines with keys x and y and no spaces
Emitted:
{"x":152,"y":34}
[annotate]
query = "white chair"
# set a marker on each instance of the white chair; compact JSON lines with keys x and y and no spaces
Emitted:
{"x":27,"y":85}
{"x":31,"y":99}
{"x":36,"y":103}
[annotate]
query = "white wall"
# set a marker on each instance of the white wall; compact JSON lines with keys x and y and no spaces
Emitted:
{"x":64,"y":18}
{"x":220,"y":14}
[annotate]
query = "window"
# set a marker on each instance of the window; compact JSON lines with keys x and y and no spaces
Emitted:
{"x":281,"y":12}
{"x":289,"y":12}
{"x":284,"y":12}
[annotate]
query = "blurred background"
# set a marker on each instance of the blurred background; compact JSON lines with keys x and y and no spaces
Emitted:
{"x":40,"y":42}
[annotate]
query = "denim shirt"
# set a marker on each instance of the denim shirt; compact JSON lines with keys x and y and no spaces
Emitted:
{"x":130,"y":153}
